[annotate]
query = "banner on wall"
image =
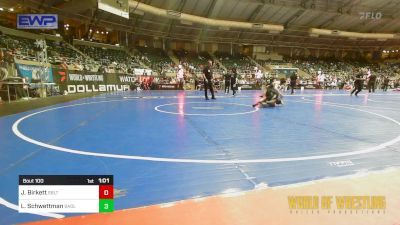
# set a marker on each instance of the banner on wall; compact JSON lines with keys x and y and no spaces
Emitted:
{"x":143,"y":72}
{"x":126,"y":78}
{"x":248,"y":87}
{"x":86,"y":81}
{"x":168,"y":87}
{"x":287,"y":72}
{"x":35,"y":74}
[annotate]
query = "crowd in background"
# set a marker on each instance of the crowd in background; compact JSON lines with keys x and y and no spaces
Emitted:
{"x":316,"y":73}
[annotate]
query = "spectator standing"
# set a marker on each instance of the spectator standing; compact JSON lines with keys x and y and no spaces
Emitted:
{"x":227,"y":78}
{"x":180,"y":77}
{"x":234,"y":78}
{"x":386,"y":81}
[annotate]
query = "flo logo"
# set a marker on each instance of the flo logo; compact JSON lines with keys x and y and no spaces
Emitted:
{"x":370,"y":15}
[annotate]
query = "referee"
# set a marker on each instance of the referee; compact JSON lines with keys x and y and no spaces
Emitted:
{"x":293,"y":81}
{"x":371,"y":83}
{"x":208,"y":76}
{"x":358,"y":82}
{"x":227,"y":77}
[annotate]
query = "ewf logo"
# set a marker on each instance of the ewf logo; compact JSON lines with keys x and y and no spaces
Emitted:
{"x":37,"y":21}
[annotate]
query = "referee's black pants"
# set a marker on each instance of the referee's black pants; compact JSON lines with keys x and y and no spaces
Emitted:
{"x":227,"y":85}
{"x":371,"y":86}
{"x":357,"y":89}
{"x":292,"y":86}
{"x":208,"y":85}
{"x":234,"y":88}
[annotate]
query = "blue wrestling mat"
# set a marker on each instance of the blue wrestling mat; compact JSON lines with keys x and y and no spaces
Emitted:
{"x":164,"y":146}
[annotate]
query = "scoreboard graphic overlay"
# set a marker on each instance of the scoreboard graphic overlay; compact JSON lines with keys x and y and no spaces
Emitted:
{"x":66,"y":193}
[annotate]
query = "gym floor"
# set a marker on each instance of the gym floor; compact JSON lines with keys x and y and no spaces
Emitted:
{"x":169,"y":146}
